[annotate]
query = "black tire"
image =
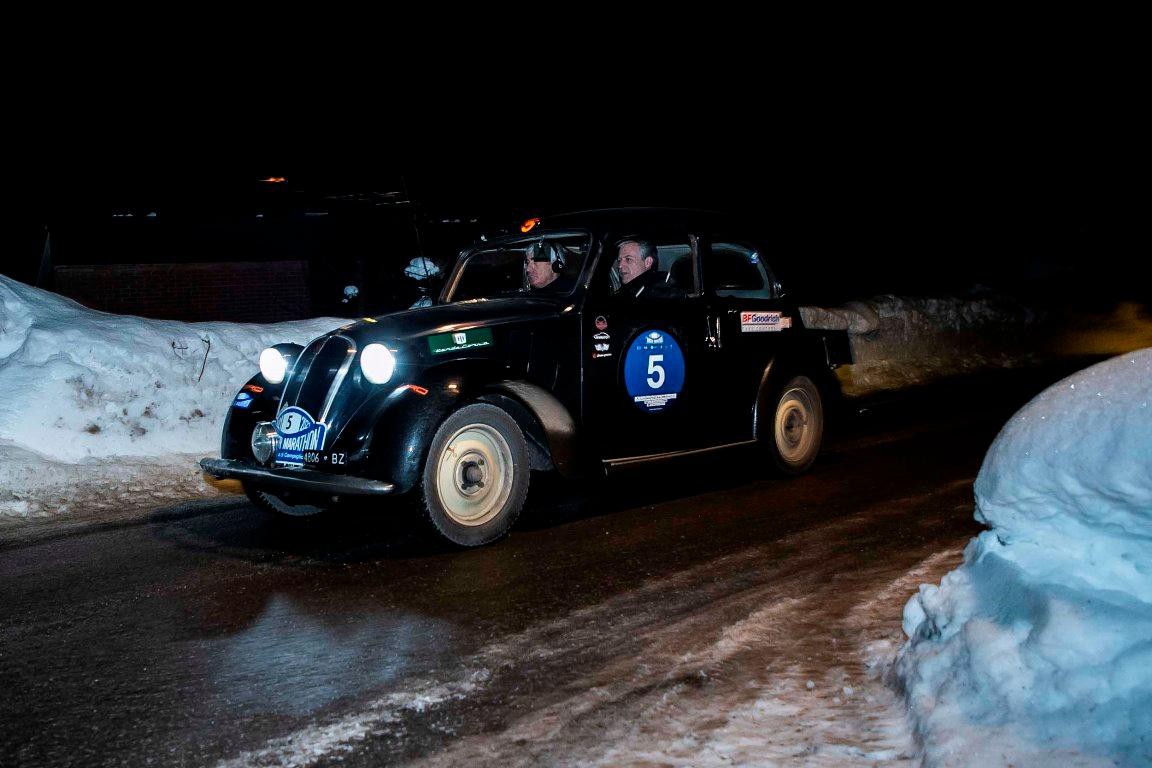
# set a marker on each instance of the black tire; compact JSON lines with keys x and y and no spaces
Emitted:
{"x":476,"y":475}
{"x":797,"y":425}
{"x":280,"y":509}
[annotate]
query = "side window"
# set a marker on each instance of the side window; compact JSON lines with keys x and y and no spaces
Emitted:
{"x":735,"y":269}
{"x":654,"y":268}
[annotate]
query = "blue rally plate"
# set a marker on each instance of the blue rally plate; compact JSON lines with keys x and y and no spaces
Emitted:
{"x":298,"y":433}
{"x":653,"y":370}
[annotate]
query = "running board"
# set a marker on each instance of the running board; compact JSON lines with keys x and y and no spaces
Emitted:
{"x":614,"y":463}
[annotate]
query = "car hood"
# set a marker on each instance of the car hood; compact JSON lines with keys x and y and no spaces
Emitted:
{"x":413,"y":324}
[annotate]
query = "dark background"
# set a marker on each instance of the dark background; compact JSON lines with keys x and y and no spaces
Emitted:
{"x":922,"y":157}
{"x":943,"y":212}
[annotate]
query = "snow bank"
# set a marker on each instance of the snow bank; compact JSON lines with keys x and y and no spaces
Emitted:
{"x":1038,"y":649}
{"x":108,"y":411}
{"x":903,"y":341}
{"x":111,"y":406}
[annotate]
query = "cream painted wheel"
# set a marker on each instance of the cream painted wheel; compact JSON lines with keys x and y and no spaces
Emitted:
{"x":797,"y":425}
{"x":476,"y":475}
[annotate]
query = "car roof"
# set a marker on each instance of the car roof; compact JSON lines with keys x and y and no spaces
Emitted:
{"x":631,"y":219}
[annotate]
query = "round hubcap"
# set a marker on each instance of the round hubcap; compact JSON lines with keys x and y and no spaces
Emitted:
{"x":793,"y":418}
{"x":474,"y":474}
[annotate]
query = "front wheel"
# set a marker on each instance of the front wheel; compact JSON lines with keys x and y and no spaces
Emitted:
{"x":797,"y":426}
{"x":476,"y":476}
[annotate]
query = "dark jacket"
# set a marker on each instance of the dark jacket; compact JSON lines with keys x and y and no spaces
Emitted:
{"x":642,"y":284}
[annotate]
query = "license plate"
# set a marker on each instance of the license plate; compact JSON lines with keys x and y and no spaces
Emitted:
{"x":326,"y":458}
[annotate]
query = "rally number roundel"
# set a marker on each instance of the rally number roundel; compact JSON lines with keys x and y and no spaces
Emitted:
{"x":653,"y":370}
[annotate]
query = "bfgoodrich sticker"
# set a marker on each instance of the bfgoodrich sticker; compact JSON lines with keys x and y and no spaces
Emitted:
{"x":757,"y":322}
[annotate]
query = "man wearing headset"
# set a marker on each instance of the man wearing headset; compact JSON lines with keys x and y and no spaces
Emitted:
{"x":543,"y":265}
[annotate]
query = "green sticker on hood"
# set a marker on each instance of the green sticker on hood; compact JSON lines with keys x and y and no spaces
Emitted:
{"x":460,"y":340}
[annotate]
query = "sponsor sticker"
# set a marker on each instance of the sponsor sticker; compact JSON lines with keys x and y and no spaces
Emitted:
{"x":653,"y":370}
{"x":597,"y":355}
{"x":601,"y":323}
{"x":758,"y":322}
{"x":443,"y":343}
{"x":298,"y":432}
{"x":243,"y":400}
{"x":601,"y":336}
{"x":601,"y":347}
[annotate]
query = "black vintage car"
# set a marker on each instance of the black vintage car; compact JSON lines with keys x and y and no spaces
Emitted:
{"x":549,"y":349}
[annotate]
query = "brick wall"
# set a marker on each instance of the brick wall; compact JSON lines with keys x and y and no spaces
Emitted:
{"x":263,"y":292}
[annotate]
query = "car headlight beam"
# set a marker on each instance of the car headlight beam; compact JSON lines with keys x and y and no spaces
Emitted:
{"x":273,"y":365}
{"x":377,"y":363}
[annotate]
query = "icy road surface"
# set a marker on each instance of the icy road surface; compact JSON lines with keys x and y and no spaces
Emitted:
{"x":703,"y":614}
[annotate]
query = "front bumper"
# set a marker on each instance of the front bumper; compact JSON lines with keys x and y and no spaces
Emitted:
{"x":288,"y":478}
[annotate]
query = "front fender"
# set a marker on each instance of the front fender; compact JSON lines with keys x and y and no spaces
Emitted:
{"x":236,"y":439}
{"x":552,"y":419}
{"x":401,"y":426}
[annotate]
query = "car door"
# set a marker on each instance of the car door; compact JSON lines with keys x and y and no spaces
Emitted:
{"x":650,"y":381}
{"x":753,"y":324}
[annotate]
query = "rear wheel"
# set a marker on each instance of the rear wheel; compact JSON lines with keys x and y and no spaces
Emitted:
{"x":797,"y":425}
{"x":476,"y":475}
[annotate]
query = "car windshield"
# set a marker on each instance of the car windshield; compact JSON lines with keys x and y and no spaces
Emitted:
{"x":536,"y":265}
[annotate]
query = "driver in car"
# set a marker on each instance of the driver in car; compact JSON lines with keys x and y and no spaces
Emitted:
{"x":544,"y":267}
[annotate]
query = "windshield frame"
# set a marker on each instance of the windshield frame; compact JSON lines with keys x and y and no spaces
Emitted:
{"x":580,"y":282}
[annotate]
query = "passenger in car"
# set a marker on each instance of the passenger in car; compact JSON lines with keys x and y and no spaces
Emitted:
{"x":636,"y":260}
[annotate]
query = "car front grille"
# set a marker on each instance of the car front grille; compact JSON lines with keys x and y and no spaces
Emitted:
{"x":318,"y":375}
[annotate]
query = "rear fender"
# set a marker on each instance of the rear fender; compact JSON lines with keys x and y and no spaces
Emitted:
{"x":811,"y":363}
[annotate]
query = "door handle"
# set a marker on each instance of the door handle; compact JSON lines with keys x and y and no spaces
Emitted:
{"x":712,"y":332}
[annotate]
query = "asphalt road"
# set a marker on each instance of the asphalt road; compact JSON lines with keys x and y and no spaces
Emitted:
{"x":635,"y":612}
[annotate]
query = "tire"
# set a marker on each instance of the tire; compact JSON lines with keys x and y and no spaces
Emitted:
{"x":797,"y":426}
{"x":476,"y":475}
{"x":278,"y":508}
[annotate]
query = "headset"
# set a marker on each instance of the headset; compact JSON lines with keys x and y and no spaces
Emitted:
{"x":542,"y":251}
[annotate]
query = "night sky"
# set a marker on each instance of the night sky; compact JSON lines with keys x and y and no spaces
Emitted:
{"x":873,"y":212}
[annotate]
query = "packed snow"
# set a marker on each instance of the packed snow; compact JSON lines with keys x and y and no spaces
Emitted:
{"x":112,"y":411}
{"x":905,"y":341}
{"x":1038,"y":649}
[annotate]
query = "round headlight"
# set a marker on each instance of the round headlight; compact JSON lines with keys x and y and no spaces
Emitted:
{"x":377,"y":363}
{"x":273,"y":365}
{"x":264,"y":439}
